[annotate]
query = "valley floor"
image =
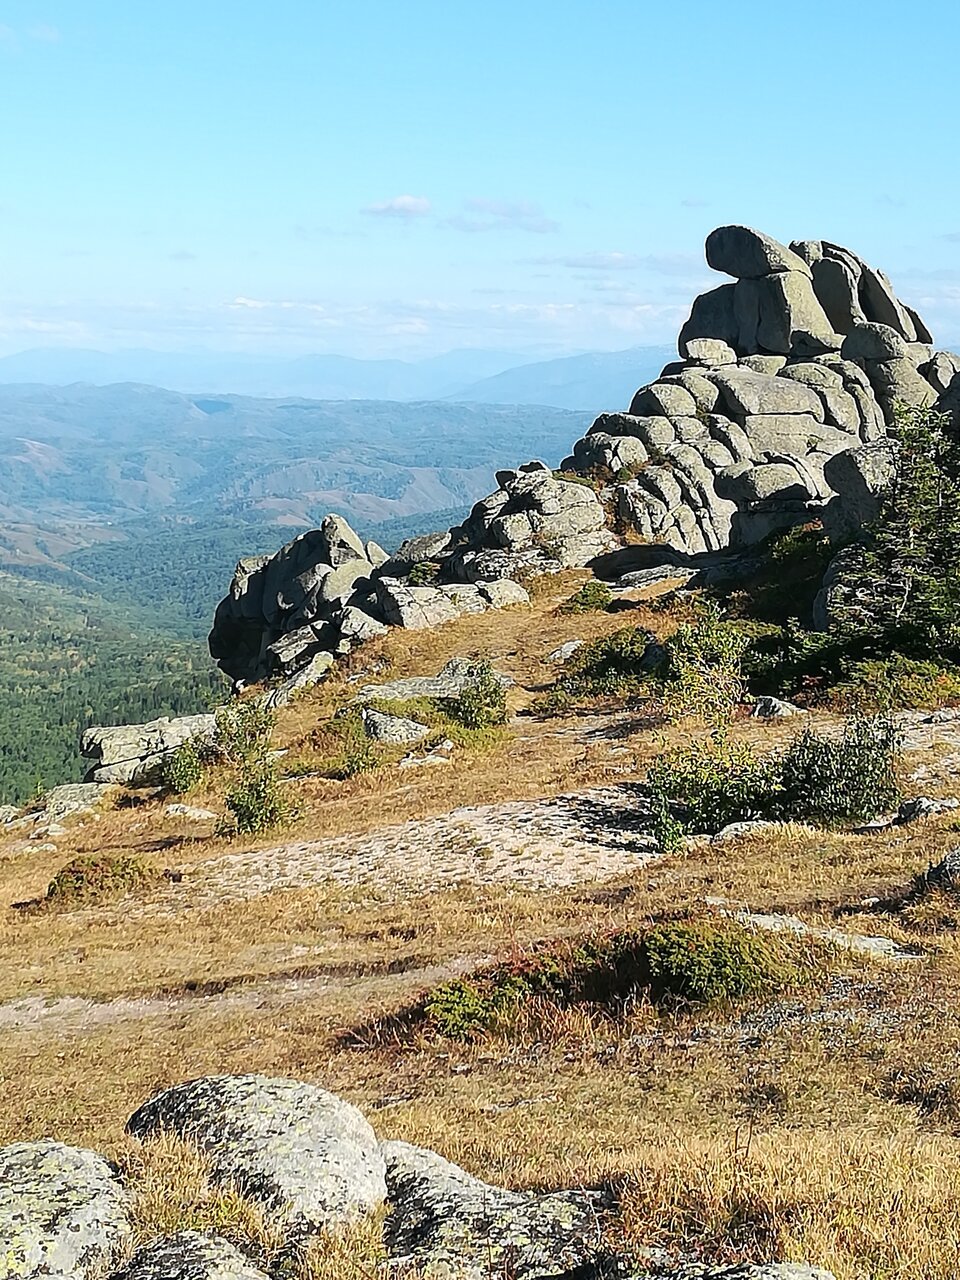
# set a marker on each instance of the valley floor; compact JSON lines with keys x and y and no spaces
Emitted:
{"x":822,"y":1124}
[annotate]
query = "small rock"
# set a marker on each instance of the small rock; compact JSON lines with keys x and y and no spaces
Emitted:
{"x":565,"y":651}
{"x":923,"y":807}
{"x":393,"y":729}
{"x":8,"y":813}
{"x":188,"y":1255}
{"x":502,"y":593}
{"x":770,"y":708}
{"x":735,"y":830}
{"x":189,"y":811}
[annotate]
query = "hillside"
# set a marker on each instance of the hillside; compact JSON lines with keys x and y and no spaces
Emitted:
{"x":590,"y":381}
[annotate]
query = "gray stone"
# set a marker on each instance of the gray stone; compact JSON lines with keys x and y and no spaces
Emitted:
{"x":450,"y":682}
{"x":923,"y":807}
{"x":770,"y":708}
{"x":71,"y":799}
{"x":415,"y":608}
{"x":8,"y":813}
{"x":393,"y":729}
{"x":662,"y":398}
{"x":502,"y":593}
{"x":342,"y":544}
{"x":344,"y":580}
{"x":837,"y":290}
{"x":710,"y":351}
{"x":748,"y":254}
{"x":564,"y":651}
{"x":446,"y":1223}
{"x":880,"y":303}
{"x":898,"y":385}
{"x":292,"y":650}
{"x":358,"y":626}
{"x":859,"y":477}
{"x":315,"y":671}
{"x":63,"y":1212}
{"x":780,"y":314}
{"x":746,"y":392}
{"x":465,"y":596}
{"x":778,"y":482}
{"x":191,"y":812}
{"x":873,"y":342}
{"x":131,"y":753}
{"x":941,"y":370}
{"x":712,"y":316}
{"x":373,"y":552}
{"x":189,"y":1255}
{"x":305,"y":1156}
{"x":614,"y":453}
{"x":769,"y":365}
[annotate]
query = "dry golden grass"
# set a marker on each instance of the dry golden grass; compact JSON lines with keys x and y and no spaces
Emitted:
{"x":818,"y":1125}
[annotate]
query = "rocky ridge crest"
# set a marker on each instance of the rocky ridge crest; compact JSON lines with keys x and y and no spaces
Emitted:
{"x":775,"y":413}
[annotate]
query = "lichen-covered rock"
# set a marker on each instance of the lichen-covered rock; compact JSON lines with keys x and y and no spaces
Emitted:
{"x":63,"y":1212}
{"x":449,"y":682}
{"x":415,"y":608}
{"x":444,"y":1222}
{"x":307,"y":1157}
{"x":670,"y":1270}
{"x":393,"y":729}
{"x":132,"y":752}
{"x":189,"y":1255}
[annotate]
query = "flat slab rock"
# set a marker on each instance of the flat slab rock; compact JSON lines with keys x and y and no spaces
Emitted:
{"x":448,"y":683}
{"x":444,"y":1222}
{"x":62,"y":1212}
{"x":306,"y":1156}
{"x":740,"y":1271}
{"x":188,"y":1255}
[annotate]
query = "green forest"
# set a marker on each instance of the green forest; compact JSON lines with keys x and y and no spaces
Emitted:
{"x":68,"y":660}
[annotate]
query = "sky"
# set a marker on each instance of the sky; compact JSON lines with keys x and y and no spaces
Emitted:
{"x":382,"y":178}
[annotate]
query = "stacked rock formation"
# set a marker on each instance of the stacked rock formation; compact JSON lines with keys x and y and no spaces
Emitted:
{"x":806,"y":356}
{"x":776,"y":413}
{"x":311,"y":1164}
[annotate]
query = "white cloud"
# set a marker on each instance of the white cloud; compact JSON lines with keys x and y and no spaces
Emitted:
{"x":400,"y":207}
{"x":481,"y":214}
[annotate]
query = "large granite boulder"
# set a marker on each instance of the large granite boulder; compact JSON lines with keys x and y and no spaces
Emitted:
{"x":63,"y":1212}
{"x":444,"y":1222}
{"x":305,"y":1156}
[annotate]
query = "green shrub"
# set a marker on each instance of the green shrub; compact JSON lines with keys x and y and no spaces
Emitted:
{"x":424,"y":574}
{"x":622,"y":662}
{"x":705,"y":786}
{"x":826,"y":781}
{"x":687,"y":962}
{"x":593,"y":597}
{"x":482,"y":703}
{"x":833,"y":781}
{"x":182,"y":770}
{"x":98,"y":876}
{"x":244,"y":728}
{"x":882,"y":684}
{"x":256,"y":797}
{"x":556,"y":701}
{"x":704,"y":674}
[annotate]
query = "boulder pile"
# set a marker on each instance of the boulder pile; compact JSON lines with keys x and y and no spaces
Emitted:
{"x":309,"y":1163}
{"x":776,"y":413}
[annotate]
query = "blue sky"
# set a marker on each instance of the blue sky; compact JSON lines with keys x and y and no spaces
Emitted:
{"x":381,"y":178}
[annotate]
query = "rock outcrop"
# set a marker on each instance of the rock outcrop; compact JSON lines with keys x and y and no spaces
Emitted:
{"x":310,"y":1163}
{"x":132,"y":753}
{"x":776,"y":413}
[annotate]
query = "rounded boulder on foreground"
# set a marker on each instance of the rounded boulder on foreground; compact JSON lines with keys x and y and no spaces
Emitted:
{"x":306,"y":1156}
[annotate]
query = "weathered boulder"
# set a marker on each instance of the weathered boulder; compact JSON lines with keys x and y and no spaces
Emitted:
{"x":303,"y":1154}
{"x":449,"y":682}
{"x":396,"y":730}
{"x":858,"y":477}
{"x":189,"y":1255}
{"x":415,"y":608}
{"x":132,"y":752}
{"x":748,"y":254}
{"x":63,"y":1212}
{"x":445,"y":1222}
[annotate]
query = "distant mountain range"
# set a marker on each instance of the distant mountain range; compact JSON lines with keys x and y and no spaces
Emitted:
{"x":595,"y":381}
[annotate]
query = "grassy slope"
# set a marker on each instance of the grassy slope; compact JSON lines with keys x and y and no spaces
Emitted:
{"x":747,"y":1132}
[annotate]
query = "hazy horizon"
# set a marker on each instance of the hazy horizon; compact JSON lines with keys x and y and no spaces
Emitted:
{"x":380,"y":181}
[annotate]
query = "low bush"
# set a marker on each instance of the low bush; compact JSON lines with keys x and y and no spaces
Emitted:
{"x":356,"y":753}
{"x":256,"y":798}
{"x":681,"y":963}
{"x":482,"y":703}
{"x":97,"y":877}
{"x":424,"y":574}
{"x":182,"y":770}
{"x":838,"y":780}
{"x":622,"y":662}
{"x":704,"y":669}
{"x":705,"y":786}
{"x":827,"y":781}
{"x":592,"y":597}
{"x":244,"y":728}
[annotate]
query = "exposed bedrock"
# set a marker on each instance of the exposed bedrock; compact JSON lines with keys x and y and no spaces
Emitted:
{"x":804,"y":356}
